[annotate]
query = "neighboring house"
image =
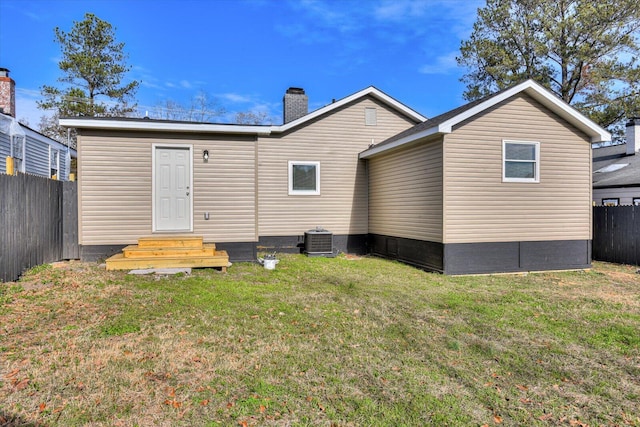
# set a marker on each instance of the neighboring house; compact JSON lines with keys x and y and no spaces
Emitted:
{"x":502,"y":184}
{"x":31,"y":152}
{"x":616,"y":170}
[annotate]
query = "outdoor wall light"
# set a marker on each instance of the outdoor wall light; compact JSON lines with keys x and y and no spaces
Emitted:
{"x":205,"y":155}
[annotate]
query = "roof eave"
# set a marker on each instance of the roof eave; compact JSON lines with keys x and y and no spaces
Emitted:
{"x":372,"y":91}
{"x":375,"y":150}
{"x":567,"y":112}
{"x":595,"y":132}
{"x":85,"y":123}
{"x":164,"y":126}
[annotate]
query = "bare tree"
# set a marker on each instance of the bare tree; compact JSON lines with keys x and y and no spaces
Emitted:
{"x":202,"y":108}
{"x":252,"y":118}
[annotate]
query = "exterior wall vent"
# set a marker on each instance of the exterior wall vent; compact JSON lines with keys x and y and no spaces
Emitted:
{"x":319,"y":242}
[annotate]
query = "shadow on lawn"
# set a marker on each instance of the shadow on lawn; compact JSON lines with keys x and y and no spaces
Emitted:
{"x":9,"y":420}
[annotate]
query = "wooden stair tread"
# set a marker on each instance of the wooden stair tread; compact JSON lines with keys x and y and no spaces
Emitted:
{"x":120,"y":262}
{"x":170,"y":241}
{"x":135,"y":251}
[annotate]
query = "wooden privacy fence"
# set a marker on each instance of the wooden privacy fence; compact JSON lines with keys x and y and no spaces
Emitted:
{"x":616,"y":234}
{"x":38,"y":223}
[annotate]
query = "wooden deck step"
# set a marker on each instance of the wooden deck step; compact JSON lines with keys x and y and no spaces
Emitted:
{"x":135,"y":251}
{"x":119,"y":262}
{"x":170,"y":241}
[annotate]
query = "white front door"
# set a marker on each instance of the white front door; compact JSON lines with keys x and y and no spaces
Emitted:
{"x":172,"y":195}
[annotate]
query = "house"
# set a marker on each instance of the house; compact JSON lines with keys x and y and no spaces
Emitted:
{"x":245,"y":188}
{"x":24,"y":149}
{"x":501,"y":184}
{"x":616,"y":170}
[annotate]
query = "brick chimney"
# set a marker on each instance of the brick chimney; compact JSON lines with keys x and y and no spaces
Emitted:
{"x":7,"y":93}
{"x":633,"y":136}
{"x":295,"y":104}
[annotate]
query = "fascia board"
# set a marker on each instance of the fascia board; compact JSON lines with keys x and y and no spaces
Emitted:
{"x":570,"y":114}
{"x":368,"y":91}
{"x":447,"y":126}
{"x":539,"y":93}
{"x":546,"y":98}
{"x":258,"y":130}
{"x":407,"y":139}
{"x":168,"y":127}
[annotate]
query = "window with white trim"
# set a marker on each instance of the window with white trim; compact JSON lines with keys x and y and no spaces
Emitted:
{"x":610,"y":202}
{"x":304,"y":178}
{"x":520,"y":161}
{"x":54,"y":160}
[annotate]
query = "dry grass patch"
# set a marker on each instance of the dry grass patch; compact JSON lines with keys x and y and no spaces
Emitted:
{"x":320,"y":342}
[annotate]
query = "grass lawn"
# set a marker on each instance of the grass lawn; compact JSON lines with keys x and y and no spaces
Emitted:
{"x":334,"y":342}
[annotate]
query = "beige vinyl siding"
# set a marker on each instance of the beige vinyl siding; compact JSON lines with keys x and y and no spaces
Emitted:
{"x":115,"y":187}
{"x":335,"y":141}
{"x":225,"y":187}
{"x":405,"y":192}
{"x":479,"y":207}
{"x":626,"y":195}
{"x":114,"y":182}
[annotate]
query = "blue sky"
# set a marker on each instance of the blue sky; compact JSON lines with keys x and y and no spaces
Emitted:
{"x":245,"y":54}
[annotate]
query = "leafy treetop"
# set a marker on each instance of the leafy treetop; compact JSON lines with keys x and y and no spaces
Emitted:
{"x":585,"y":51}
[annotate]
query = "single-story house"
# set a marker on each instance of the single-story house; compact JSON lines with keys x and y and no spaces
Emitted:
{"x":27,"y":150}
{"x":616,"y":170}
{"x":32,"y":152}
{"x":501,"y":184}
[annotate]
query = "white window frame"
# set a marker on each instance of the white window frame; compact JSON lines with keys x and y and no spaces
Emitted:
{"x":293,"y":192}
{"x":611,"y":201}
{"x":536,"y":178}
{"x":635,"y":201}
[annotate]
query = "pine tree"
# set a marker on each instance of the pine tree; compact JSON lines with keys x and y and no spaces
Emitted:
{"x":94,"y":68}
{"x":585,"y":51}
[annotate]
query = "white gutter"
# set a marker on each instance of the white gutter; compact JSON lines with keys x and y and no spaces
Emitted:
{"x":407,"y":139}
{"x":152,"y":125}
{"x":163,"y":126}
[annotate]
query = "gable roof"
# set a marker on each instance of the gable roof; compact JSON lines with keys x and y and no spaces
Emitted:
{"x":10,"y":126}
{"x":444,"y":123}
{"x":612,"y":167}
{"x":180,"y":126}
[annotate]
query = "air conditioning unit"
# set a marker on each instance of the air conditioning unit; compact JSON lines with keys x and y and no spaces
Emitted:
{"x":319,"y":242}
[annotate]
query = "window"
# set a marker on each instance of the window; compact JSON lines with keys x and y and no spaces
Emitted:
{"x":610,"y":202}
{"x":636,"y":201}
{"x":370,"y":116}
{"x":521,"y":161}
{"x":304,"y":178}
{"x":54,"y":159}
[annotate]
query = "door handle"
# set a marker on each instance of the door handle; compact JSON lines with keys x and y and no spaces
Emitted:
{"x":187,"y":193}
